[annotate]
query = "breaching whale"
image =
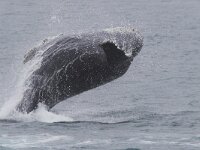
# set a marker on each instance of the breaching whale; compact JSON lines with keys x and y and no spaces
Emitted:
{"x":73,"y":64}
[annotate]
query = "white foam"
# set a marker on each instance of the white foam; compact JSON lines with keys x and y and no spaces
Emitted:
{"x":94,"y":141}
{"x":120,"y":29}
{"x":41,"y":115}
{"x":127,"y":47}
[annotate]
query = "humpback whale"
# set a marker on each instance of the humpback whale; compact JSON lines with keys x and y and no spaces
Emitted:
{"x":73,"y":64}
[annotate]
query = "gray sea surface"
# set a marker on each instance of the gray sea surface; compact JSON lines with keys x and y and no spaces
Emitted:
{"x":154,"y":106}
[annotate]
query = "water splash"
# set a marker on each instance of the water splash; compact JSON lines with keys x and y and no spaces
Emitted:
{"x":127,"y":47}
{"x":8,"y":110}
{"x":41,"y":114}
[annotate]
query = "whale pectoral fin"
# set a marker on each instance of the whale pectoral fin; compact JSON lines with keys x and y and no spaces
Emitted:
{"x":29,"y":101}
{"x":113,"y":53}
{"x":29,"y":55}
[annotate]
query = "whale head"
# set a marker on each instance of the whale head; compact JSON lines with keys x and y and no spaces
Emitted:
{"x":121,"y":45}
{"x":128,"y":40}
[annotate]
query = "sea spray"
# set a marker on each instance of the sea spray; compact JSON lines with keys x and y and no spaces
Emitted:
{"x":8,"y":110}
{"x":41,"y":114}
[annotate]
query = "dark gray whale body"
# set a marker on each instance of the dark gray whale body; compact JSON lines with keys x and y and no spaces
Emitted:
{"x":74,"y":64}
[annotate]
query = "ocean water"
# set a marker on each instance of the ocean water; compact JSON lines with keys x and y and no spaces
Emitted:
{"x":154,"y":106}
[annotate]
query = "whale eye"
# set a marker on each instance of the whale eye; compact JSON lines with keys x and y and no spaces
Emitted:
{"x":113,"y":54}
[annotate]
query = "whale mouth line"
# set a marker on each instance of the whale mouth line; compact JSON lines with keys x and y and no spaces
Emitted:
{"x":113,"y":53}
{"x":123,"y":46}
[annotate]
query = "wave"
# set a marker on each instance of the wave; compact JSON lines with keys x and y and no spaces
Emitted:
{"x":36,"y":141}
